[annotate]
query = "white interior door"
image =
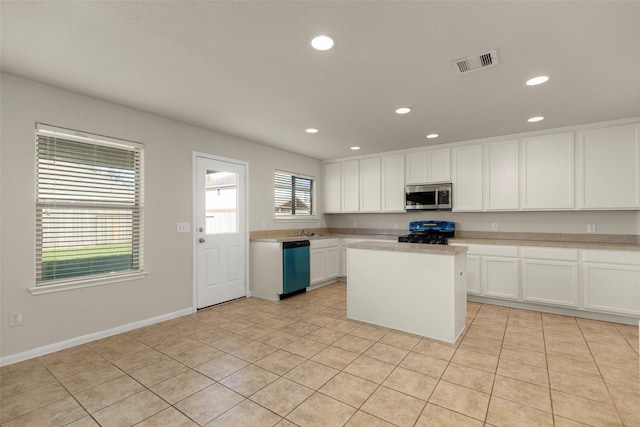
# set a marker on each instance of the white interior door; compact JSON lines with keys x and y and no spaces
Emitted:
{"x":220,"y":231}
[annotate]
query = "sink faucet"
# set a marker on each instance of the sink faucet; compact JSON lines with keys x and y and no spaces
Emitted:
{"x":301,"y":233}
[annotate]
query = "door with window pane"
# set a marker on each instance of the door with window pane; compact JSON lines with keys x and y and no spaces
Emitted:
{"x":220,"y":222}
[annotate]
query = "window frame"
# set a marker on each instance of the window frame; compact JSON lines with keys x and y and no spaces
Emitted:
{"x":136,"y":209}
{"x":293,"y":218}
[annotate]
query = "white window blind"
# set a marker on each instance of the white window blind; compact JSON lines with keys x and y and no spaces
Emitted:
{"x":293,"y":195}
{"x":89,"y":197}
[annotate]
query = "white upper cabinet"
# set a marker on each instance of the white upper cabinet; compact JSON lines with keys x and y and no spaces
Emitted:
{"x":416,"y":167}
{"x":501,"y":175}
{"x":351,"y":186}
{"x":370,"y":184}
{"x":333,"y":187}
{"x":393,"y":183}
{"x":428,"y":166}
{"x":440,"y":165}
{"x":467,"y":178}
{"x":607,"y":168}
{"x":578,"y":169}
{"x":548,"y":172}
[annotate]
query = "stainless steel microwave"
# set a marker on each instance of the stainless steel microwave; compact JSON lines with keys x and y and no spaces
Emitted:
{"x":428,"y":197}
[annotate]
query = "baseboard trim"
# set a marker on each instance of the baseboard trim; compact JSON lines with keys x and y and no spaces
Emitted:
{"x":567,"y":311}
{"x":41,"y":351}
{"x":325,"y":283}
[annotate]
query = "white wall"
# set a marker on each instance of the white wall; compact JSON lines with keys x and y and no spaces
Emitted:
{"x":608,"y":222}
{"x":55,"y":317}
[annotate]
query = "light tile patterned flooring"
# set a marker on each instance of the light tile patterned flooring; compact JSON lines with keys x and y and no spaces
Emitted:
{"x":254,"y":363}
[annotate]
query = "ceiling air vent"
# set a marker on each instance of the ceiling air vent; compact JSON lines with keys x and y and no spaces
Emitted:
{"x":475,"y":62}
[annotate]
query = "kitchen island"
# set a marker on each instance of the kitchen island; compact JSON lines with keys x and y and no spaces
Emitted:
{"x":415,"y":288}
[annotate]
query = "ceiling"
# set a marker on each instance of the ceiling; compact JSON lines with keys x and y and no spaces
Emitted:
{"x":246,"y":68}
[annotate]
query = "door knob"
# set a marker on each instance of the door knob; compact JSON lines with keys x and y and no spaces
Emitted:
{"x":201,"y":240}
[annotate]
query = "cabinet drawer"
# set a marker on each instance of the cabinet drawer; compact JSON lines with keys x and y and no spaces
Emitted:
{"x":550,"y":254}
{"x":492,"y":250}
{"x":612,"y":257}
{"x":324,"y":243}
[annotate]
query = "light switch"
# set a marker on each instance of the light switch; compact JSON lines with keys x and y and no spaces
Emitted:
{"x":184,"y":227}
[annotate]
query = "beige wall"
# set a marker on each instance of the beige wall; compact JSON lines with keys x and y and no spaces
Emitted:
{"x":55,"y":317}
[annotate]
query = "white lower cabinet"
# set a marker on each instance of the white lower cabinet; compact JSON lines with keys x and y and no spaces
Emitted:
{"x":473,"y":274}
{"x":343,"y":255}
{"x":500,"y":277}
{"x":493,"y":271}
{"x":611,"y":281}
{"x":550,"y":276}
{"x":324,"y":261}
{"x":550,"y":282}
{"x":332,"y":262}
{"x":605,"y":281}
{"x":316,"y":265}
{"x":612,"y":288}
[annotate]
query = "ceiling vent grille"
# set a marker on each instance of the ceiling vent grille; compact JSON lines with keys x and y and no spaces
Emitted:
{"x":475,"y":62}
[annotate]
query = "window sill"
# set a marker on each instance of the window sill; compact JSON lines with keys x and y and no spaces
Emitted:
{"x":86,"y":283}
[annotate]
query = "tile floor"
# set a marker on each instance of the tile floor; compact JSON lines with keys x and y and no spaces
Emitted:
{"x":254,"y":363}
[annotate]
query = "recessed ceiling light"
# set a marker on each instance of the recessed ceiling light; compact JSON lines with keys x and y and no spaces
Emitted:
{"x":322,"y":43}
{"x":535,"y":119}
{"x":537,"y":80}
{"x":311,"y":130}
{"x":355,"y":148}
{"x":403,"y":110}
{"x":432,"y":135}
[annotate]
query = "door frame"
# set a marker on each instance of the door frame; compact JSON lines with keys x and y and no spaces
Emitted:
{"x":194,"y":220}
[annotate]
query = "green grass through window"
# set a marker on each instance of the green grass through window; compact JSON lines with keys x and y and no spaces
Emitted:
{"x":76,"y":261}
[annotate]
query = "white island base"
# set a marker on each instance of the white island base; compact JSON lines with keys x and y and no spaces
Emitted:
{"x":409,"y":288}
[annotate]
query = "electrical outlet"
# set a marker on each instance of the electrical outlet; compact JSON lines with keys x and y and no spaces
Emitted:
{"x":15,"y":318}
{"x":263,"y":225}
{"x":495,"y":226}
{"x":591,"y":228}
{"x":395,"y":224}
{"x":355,"y":224}
{"x":184,"y":227}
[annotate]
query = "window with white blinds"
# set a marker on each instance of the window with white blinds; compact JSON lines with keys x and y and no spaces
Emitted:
{"x":293,"y":195}
{"x":89,"y":193}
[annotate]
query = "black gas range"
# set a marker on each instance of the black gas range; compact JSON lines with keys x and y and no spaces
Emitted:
{"x":429,"y":232}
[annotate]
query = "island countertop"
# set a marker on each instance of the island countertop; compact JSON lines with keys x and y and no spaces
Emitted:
{"x":409,"y":247}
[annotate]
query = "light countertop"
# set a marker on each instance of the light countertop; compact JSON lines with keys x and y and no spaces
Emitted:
{"x":546,"y":243}
{"x":410,"y":247}
{"x":280,"y":239}
{"x":550,"y":240}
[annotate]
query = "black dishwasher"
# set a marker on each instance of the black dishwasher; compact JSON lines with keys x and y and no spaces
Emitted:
{"x":295,"y":267}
